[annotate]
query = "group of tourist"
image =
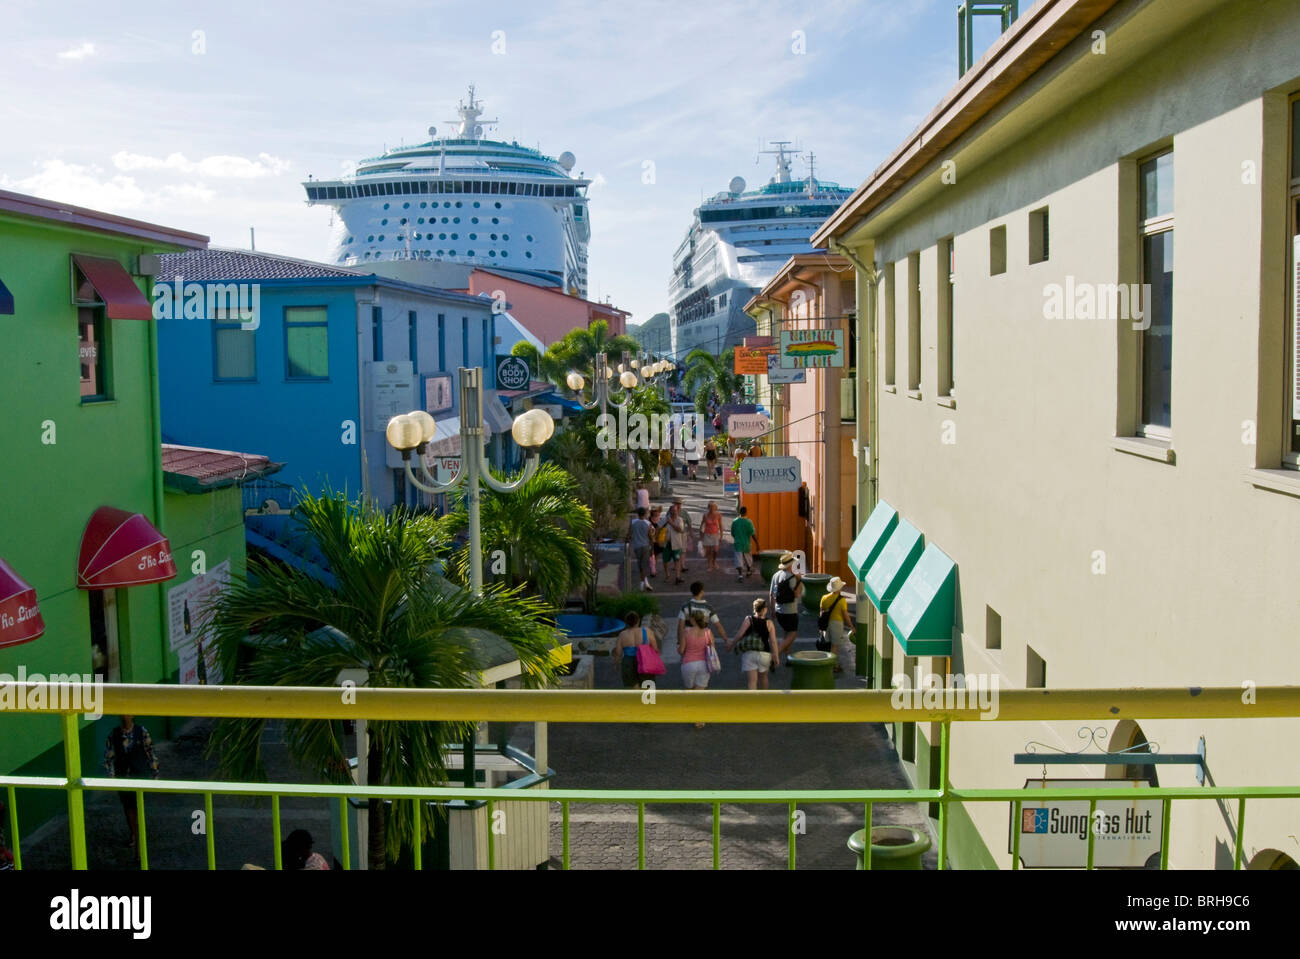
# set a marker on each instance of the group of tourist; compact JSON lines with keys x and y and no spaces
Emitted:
{"x":761,"y":652}
{"x":664,"y":538}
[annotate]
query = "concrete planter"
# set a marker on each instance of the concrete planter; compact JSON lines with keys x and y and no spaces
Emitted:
{"x":769,"y":561}
{"x":813,"y":669}
{"x":892,"y":847}
{"x":814,"y":588}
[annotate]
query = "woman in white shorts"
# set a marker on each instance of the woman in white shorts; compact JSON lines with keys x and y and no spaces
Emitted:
{"x":756,"y":643}
{"x":696,"y":639}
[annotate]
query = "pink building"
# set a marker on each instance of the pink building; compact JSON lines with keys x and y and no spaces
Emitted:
{"x":541,"y":307}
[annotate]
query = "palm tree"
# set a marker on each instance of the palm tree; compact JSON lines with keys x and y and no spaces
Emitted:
{"x":546,"y":365}
{"x":711,"y":376}
{"x":541,"y":530}
{"x":385,"y":613}
{"x":579,"y":347}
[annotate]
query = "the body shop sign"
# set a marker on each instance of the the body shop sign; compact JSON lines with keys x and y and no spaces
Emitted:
{"x":770,"y":474}
{"x":1054,"y":832}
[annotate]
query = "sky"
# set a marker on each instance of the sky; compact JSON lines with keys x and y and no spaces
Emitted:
{"x":208,"y":117}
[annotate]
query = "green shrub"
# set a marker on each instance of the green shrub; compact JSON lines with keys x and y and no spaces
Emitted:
{"x":643,"y":604}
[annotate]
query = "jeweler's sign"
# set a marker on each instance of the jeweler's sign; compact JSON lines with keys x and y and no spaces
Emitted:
{"x":746,"y":425}
{"x":802,"y":349}
{"x":770,"y":474}
{"x":1054,"y":832}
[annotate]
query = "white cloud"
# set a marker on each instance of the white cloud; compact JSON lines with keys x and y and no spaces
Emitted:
{"x":213,"y":166}
{"x":78,"y":53}
{"x":87,"y":186}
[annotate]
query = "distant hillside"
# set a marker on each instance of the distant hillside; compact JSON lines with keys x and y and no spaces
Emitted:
{"x":653,"y":333}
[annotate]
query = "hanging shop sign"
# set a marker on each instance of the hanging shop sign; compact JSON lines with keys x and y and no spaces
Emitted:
{"x":392,"y":391}
{"x":20,"y":616}
{"x":778,"y":375}
{"x":811,"y":348}
{"x":1054,"y":832}
{"x":750,"y":361}
{"x":745,"y":425}
{"x":769,"y":474}
{"x":512,"y":373}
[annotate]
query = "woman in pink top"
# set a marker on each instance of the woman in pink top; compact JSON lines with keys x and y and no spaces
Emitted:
{"x":711,"y":535}
{"x":697,"y":637}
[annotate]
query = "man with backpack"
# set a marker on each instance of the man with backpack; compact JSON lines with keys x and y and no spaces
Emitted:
{"x":834,"y":622}
{"x":786,"y":589}
{"x":697,"y":602}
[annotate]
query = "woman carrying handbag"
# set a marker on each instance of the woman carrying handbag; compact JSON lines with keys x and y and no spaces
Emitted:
{"x":638,"y":652}
{"x":698,"y":653}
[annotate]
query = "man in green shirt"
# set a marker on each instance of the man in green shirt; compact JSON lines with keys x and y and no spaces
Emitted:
{"x":745,"y":539}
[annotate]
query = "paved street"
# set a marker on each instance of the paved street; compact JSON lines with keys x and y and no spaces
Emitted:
{"x":776,"y":756}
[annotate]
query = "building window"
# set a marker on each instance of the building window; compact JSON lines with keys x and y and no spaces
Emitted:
{"x":234,"y":350}
{"x":464,"y":340}
{"x":412,"y":341}
{"x":890,"y":293}
{"x":997,"y":251}
{"x":1035,"y":670}
{"x":377,"y":333}
{"x":947,"y":275}
{"x":1155,"y":346}
{"x":306,"y":343}
{"x":1292,"y":448}
{"x":992,"y":628}
{"x":442,"y":338}
{"x":914,"y":322}
{"x":1039,"y":238}
{"x":92,"y":353}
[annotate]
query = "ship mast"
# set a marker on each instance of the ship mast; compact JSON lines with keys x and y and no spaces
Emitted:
{"x":782,"y":160}
{"x":469,"y":126}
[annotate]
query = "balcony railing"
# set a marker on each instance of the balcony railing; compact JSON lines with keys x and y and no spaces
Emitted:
{"x":668,"y":706}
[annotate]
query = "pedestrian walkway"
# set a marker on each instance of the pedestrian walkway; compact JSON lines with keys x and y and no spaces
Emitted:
{"x":721,"y":756}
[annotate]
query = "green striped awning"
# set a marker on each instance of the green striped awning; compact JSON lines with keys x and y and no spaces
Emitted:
{"x":894,"y":562}
{"x":871,"y":538}
{"x":922,"y":615}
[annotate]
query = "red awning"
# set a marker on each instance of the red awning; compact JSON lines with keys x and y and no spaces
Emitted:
{"x":122,"y":549}
{"x":122,"y":298}
{"x":20,"y":617}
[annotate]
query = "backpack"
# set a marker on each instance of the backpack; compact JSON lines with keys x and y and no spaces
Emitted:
{"x":785,"y":590}
{"x":824,"y":618}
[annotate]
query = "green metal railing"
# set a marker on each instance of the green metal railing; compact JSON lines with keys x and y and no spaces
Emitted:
{"x":629,"y":706}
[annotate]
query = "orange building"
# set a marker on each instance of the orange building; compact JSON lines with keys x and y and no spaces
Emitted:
{"x":815,"y":420}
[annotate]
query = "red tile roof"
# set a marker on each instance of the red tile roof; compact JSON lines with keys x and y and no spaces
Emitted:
{"x":195,"y":466}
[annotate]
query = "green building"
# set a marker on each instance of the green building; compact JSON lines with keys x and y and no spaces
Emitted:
{"x":90,"y":522}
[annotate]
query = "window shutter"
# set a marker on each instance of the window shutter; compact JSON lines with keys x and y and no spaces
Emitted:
{"x":1295,"y":327}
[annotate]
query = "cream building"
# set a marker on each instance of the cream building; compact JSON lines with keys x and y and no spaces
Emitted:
{"x":1121,"y":505}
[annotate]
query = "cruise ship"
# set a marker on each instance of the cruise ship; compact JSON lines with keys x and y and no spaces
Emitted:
{"x":736,"y":243}
{"x":462,"y":199}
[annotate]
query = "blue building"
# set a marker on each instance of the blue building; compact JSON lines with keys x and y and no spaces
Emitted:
{"x":309,"y":361}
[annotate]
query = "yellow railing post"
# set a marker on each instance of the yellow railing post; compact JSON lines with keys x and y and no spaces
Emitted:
{"x":76,"y":797}
{"x":945,"y":730}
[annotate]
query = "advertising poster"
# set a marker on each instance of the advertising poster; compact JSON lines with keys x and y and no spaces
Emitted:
{"x":188,"y":614}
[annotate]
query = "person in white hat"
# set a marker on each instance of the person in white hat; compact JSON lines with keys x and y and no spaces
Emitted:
{"x":785,"y":590}
{"x":835,"y":614}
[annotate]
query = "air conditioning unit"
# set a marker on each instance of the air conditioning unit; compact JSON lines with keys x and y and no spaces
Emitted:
{"x":147,"y":264}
